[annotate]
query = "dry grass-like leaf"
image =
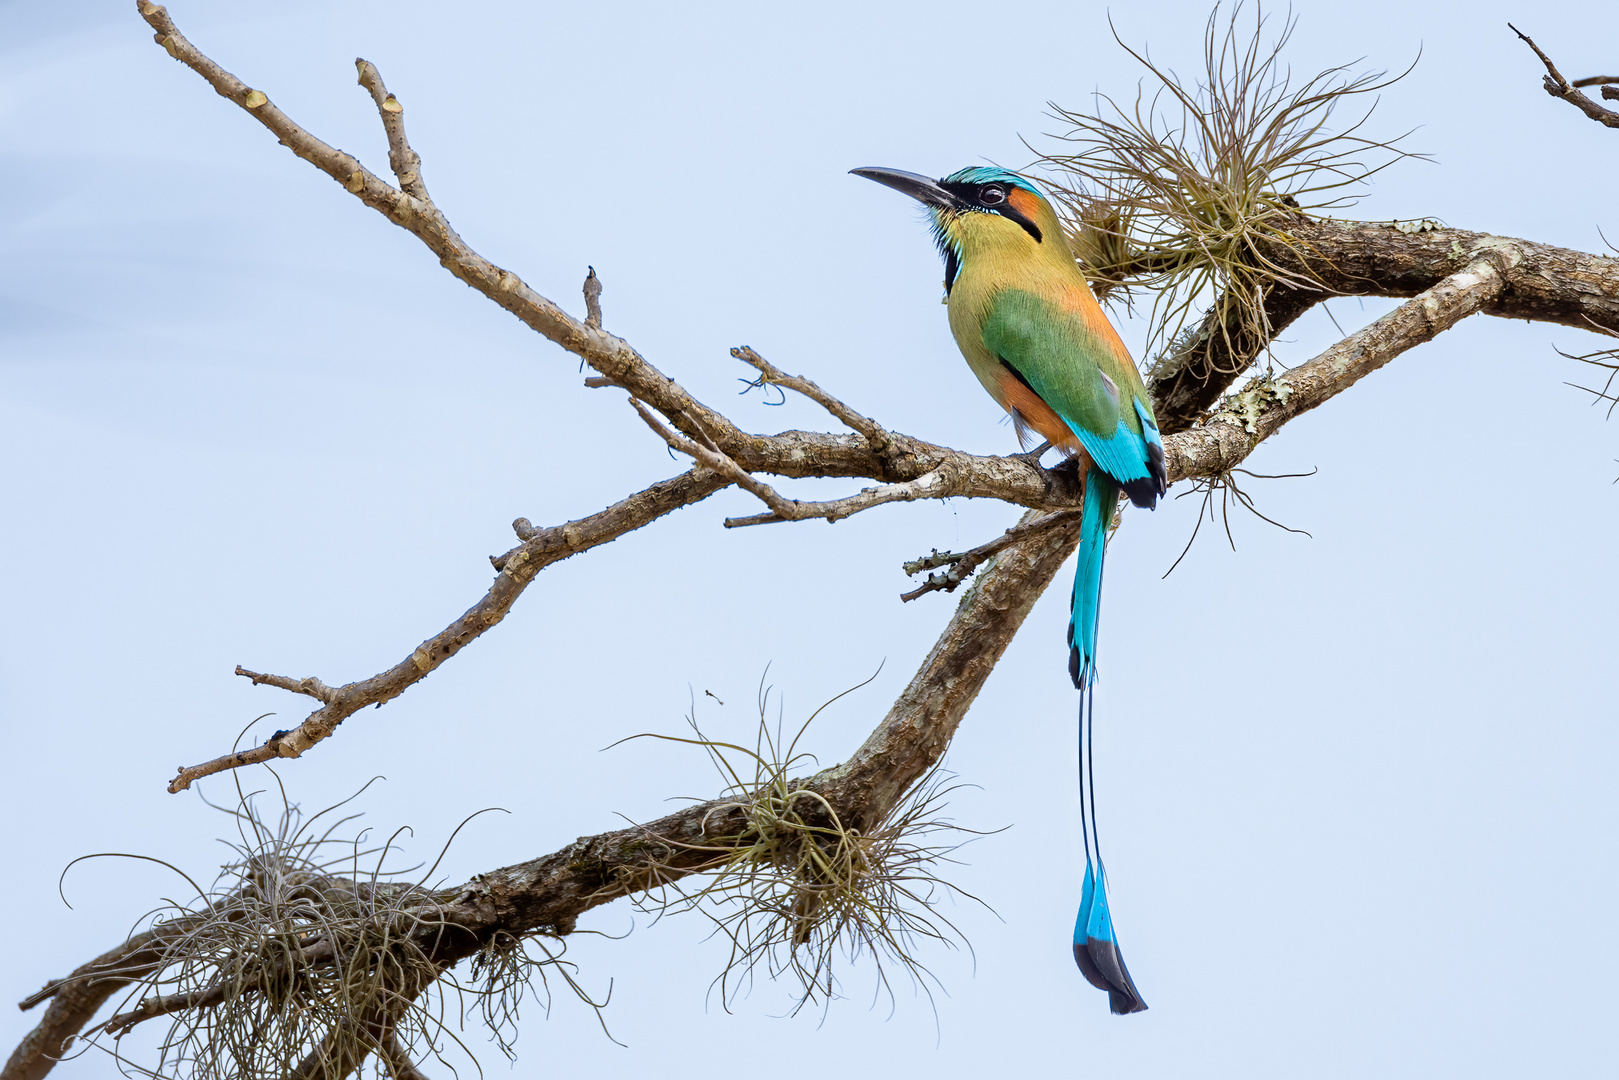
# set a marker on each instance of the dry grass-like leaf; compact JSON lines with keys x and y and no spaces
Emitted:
{"x":797,"y":887}
{"x":504,"y":971}
{"x":1172,"y":195}
{"x":1605,"y":359}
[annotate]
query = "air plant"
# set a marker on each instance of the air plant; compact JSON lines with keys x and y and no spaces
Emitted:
{"x":309,"y":953}
{"x":1190,"y":193}
{"x":796,"y":887}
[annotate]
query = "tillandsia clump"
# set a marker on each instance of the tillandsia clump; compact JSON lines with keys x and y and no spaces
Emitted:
{"x":309,"y":953}
{"x":797,"y":886}
{"x":1188,"y":193}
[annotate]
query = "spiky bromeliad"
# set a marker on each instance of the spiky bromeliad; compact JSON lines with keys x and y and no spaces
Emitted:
{"x":1034,"y":335}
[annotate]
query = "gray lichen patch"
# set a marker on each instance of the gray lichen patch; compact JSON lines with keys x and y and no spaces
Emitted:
{"x":1245,"y":406}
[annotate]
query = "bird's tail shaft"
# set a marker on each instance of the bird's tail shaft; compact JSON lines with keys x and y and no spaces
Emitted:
{"x":1096,"y":947}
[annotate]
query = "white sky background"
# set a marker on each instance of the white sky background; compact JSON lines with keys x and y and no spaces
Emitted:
{"x":1356,"y":790}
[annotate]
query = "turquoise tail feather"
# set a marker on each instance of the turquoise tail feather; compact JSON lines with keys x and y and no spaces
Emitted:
{"x":1096,"y":950}
{"x":1101,"y":500}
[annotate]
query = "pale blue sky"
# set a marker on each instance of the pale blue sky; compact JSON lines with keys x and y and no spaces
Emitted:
{"x":1357,"y":789}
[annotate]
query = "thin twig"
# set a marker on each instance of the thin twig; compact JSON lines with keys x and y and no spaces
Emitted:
{"x":937,"y":484}
{"x":1559,"y":87}
{"x":405,"y":162}
{"x":877,"y":436}
{"x":517,"y":567}
{"x":959,"y":567}
{"x":310,"y":687}
{"x":715,"y":460}
{"x":154,"y":1007}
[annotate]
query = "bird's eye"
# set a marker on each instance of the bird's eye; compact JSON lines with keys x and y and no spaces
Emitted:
{"x":992,"y":195}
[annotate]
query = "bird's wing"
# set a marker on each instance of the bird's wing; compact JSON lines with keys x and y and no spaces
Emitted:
{"x":1055,"y":354}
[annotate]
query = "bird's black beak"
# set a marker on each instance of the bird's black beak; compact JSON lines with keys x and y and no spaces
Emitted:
{"x":917,"y":187}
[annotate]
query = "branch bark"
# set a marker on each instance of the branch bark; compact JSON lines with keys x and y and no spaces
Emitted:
{"x":1542,"y":283}
{"x":959,"y":567}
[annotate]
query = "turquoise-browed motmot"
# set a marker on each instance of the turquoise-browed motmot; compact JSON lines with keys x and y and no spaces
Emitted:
{"x":1033,"y":333}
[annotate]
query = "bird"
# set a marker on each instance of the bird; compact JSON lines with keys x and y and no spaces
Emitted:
{"x":1030,"y":328}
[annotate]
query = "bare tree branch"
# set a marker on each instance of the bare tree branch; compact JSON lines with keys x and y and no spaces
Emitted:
{"x":937,"y":484}
{"x":310,"y":687}
{"x":714,"y":459}
{"x":1266,"y":404}
{"x":1391,"y":259}
{"x":77,"y":998}
{"x":1559,"y":87}
{"x":163,"y":1006}
{"x":959,"y":567}
{"x":609,"y":355}
{"x":1542,"y":283}
{"x":517,"y":568}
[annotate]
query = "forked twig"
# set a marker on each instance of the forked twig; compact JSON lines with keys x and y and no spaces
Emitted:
{"x":1561,"y":88}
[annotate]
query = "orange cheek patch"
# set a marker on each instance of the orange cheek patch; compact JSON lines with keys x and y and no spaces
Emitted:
{"x":1024,"y":203}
